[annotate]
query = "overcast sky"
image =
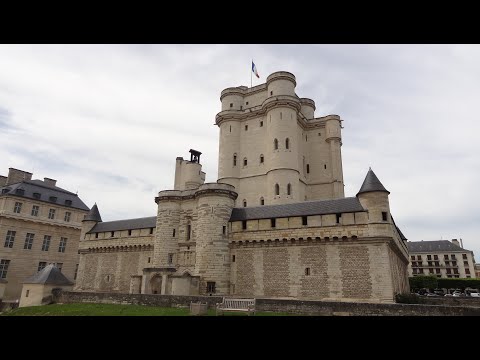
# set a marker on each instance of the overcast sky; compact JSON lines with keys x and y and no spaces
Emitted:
{"x":108,"y":121}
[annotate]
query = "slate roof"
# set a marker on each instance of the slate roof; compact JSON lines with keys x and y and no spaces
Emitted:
{"x":45,"y":191}
{"x":371,"y":183}
{"x":93,"y":215}
{"x":49,"y":275}
{"x":433,"y":246}
{"x":305,"y":208}
{"x":129,"y":224}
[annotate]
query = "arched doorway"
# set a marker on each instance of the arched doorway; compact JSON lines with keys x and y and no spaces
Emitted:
{"x":156,"y":284}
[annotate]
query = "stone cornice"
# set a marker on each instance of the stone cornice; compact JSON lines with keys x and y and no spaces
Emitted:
{"x":208,"y":189}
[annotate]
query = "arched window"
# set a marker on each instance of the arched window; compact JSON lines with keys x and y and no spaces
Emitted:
{"x":289,"y":189}
{"x":261,"y":159}
{"x":234,"y":159}
{"x":277,"y":189}
{"x":262,"y":201}
{"x":244,"y":203}
{"x":275,"y":144}
{"x":245,"y":161}
{"x":287,"y":143}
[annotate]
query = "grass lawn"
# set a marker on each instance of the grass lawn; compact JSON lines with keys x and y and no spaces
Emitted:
{"x":113,"y":310}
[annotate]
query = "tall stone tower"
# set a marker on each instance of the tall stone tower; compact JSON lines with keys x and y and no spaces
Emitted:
{"x":272,"y":148}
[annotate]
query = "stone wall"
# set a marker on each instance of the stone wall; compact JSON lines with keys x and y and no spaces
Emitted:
{"x":453,"y":301}
{"x":349,"y":270}
{"x":313,"y":308}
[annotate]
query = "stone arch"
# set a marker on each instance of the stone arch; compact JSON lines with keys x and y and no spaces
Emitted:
{"x":156,"y":284}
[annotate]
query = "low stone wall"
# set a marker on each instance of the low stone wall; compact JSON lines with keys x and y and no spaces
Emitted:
{"x":330,"y":308}
{"x":452,"y":301}
{"x":318,"y":308}
{"x":68,"y":297}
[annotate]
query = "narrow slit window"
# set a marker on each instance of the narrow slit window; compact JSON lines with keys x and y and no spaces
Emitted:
{"x":289,"y":189}
{"x":189,"y":231}
{"x":275,"y":144}
{"x":244,"y":224}
{"x":244,"y":203}
{"x":273,"y":222}
{"x":304,"y":220}
{"x":308,"y":168}
{"x":245,"y":162}
{"x":287,"y":143}
{"x":338,"y":218}
{"x":224,"y":230}
{"x":261,"y":159}
{"x":235,"y":160}
{"x":277,"y":189}
{"x":384,"y":215}
{"x":262,"y":201}
{"x":173,"y":235}
{"x":261,"y":123}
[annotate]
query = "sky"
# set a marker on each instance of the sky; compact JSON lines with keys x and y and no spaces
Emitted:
{"x":108,"y":121}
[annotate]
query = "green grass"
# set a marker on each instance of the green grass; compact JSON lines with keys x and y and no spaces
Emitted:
{"x":114,"y":310}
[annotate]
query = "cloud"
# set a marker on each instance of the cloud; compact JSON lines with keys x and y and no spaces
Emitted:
{"x":109,"y":120}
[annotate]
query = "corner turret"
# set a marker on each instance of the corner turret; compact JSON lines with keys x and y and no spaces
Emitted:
{"x":90,"y":220}
{"x":374,"y":197}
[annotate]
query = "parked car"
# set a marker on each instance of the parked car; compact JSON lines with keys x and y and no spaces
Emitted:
{"x":432,"y":294}
{"x":458,"y":294}
{"x":475,"y":294}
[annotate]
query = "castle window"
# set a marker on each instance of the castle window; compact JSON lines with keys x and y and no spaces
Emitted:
{"x":210,"y":287}
{"x":173,"y":235}
{"x":306,"y":137}
{"x":230,"y":128}
{"x":308,"y":168}
{"x":275,"y":144}
{"x":273,"y":222}
{"x":233,"y":258}
{"x":6,"y":190}
{"x":234,"y":159}
{"x":245,"y":161}
{"x":28,"y":292}
{"x":261,"y":123}
{"x":289,"y":189}
{"x":307,"y":271}
{"x":170,"y":258}
{"x":76,"y":272}
{"x":325,"y":166}
{"x":464,"y":256}
{"x":149,"y":259}
{"x":10,"y":239}
{"x":62,"y":245}
{"x":41,"y":265}
{"x":151,"y":231}
{"x":17,"y":208}
{"x":107,"y":278}
{"x":96,"y":235}
{"x":244,"y":224}
{"x":129,"y":232}
{"x":304,"y":220}
{"x":338,"y":218}
{"x":467,"y":271}
{"x":246,"y":127}
{"x":384,"y":215}
{"x":262,"y":201}
{"x":51,"y":214}
{"x":287,"y":143}
{"x":4,"y":268}
{"x":231,"y":104}
{"x":241,"y":107}
{"x":59,"y":266}
{"x":271,"y":92}
{"x":244,"y":203}
{"x":246,"y":103}
{"x":224,"y":230}
{"x":261,"y":159}
{"x":112,"y":233}
{"x":28,"y":241}
{"x":189,"y":231}
{"x":277,"y":189}
{"x":319,"y":134}
{"x":280,"y":114}
{"x":46,"y":242}
{"x":67,"y":216}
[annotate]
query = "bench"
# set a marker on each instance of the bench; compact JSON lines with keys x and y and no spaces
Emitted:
{"x":243,"y":305}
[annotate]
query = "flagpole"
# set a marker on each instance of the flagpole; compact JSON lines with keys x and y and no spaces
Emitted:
{"x":251,"y":71}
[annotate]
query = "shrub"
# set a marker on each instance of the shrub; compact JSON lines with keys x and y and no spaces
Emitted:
{"x":409,"y":299}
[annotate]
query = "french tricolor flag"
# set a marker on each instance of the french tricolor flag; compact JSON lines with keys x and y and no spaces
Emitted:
{"x":254,"y":69}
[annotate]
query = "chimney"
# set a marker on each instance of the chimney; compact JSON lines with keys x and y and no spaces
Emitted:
{"x":461,"y":243}
{"x":49,"y":182}
{"x":3,"y":180}
{"x":16,"y":176}
{"x":455,"y":241}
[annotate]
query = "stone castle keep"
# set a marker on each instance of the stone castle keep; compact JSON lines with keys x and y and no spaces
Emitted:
{"x":275,"y":224}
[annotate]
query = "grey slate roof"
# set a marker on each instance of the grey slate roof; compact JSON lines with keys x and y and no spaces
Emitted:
{"x":129,"y":224}
{"x":38,"y":186}
{"x":371,"y":183}
{"x":432,"y":246}
{"x":305,"y":208}
{"x":49,"y":275}
{"x":93,"y":215}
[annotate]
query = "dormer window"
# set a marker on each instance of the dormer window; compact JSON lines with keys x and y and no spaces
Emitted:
{"x":6,"y":190}
{"x":68,"y":202}
{"x":37,"y":195}
{"x":20,"y":192}
{"x":53,"y":198}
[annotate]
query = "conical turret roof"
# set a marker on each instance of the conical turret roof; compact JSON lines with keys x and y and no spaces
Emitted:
{"x":371,"y":183}
{"x":49,"y":275}
{"x":93,"y":215}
